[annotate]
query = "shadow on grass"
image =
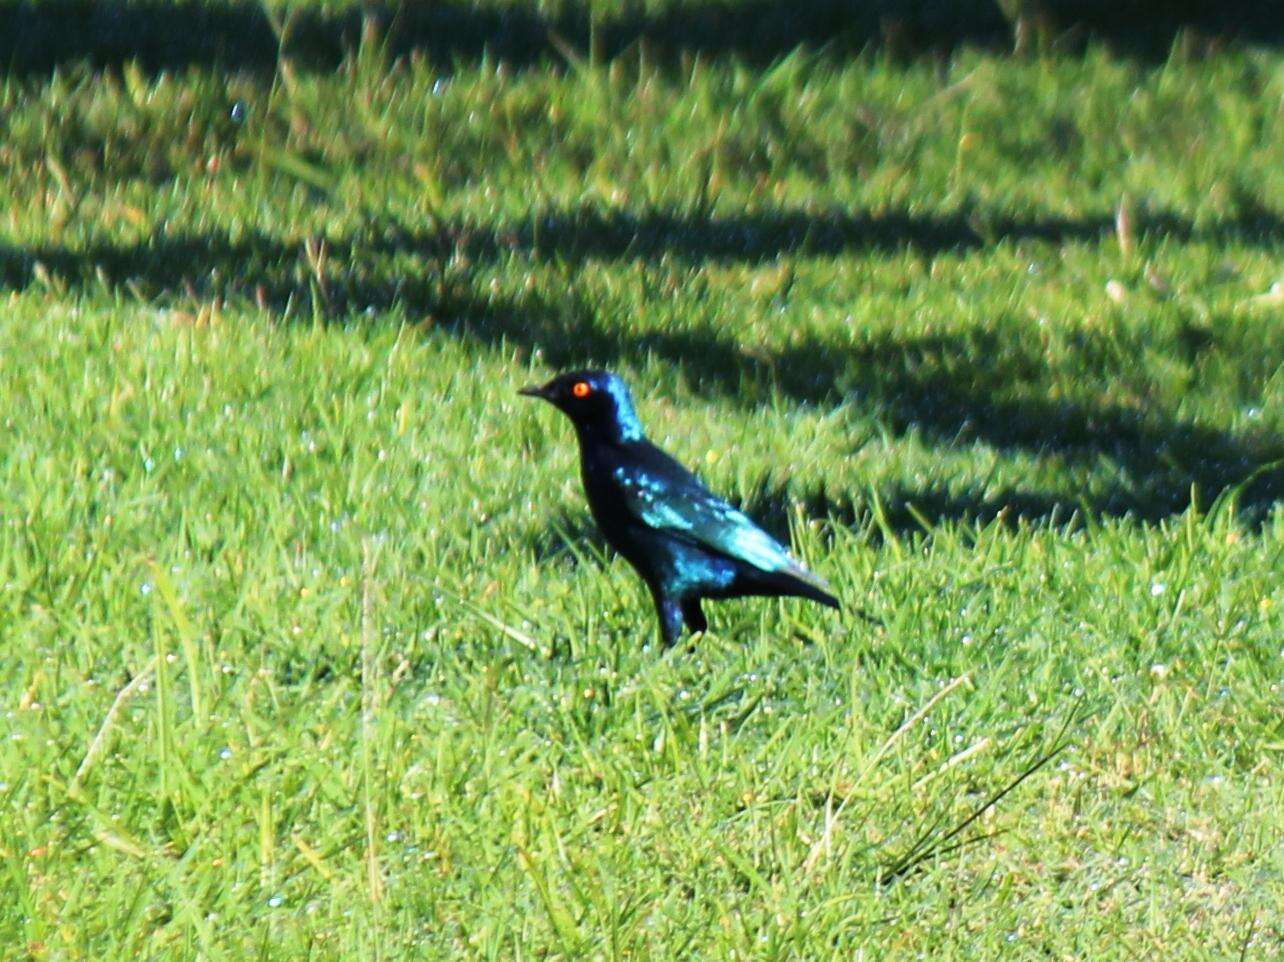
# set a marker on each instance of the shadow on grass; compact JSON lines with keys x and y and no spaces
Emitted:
{"x":593,"y":233}
{"x":959,"y":389}
{"x":215,"y":262}
{"x":968,"y":387}
{"x":157,"y":35}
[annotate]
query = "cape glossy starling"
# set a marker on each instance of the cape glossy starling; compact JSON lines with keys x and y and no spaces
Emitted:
{"x":685,"y":542}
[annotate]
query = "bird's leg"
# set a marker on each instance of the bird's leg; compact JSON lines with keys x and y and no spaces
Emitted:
{"x":670,"y":612}
{"x":693,"y":616}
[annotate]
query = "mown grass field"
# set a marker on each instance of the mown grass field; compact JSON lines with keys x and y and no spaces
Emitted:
{"x":310,"y":651}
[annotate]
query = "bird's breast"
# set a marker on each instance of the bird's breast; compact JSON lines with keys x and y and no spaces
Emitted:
{"x":606,"y":502}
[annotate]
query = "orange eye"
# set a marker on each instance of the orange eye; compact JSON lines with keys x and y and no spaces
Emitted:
{"x":581,"y":389}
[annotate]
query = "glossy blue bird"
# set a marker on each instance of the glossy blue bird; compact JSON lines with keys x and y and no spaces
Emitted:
{"x":686,"y":542}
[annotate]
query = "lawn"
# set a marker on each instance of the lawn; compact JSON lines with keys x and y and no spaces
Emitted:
{"x":310,"y":648}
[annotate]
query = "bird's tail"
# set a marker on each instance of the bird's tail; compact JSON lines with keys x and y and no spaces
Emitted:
{"x":800,"y":583}
{"x":816,"y":593}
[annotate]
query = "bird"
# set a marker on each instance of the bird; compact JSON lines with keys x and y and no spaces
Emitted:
{"x":687,"y":543}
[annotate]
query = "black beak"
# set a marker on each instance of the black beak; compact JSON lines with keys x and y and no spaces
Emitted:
{"x":532,"y":390}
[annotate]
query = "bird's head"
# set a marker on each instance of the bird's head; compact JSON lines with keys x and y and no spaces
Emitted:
{"x":597,"y":402}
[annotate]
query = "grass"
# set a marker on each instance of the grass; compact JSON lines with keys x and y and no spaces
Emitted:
{"x":310,"y":650}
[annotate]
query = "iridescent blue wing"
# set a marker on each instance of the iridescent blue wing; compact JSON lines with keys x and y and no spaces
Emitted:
{"x":679,"y":504}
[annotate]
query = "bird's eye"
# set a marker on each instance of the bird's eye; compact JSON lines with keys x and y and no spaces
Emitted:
{"x":581,"y":389}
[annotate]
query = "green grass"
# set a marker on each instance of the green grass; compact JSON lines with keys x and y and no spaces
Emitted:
{"x":310,"y":650}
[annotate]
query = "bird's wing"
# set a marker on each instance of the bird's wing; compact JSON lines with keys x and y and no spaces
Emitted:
{"x":685,"y":508}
